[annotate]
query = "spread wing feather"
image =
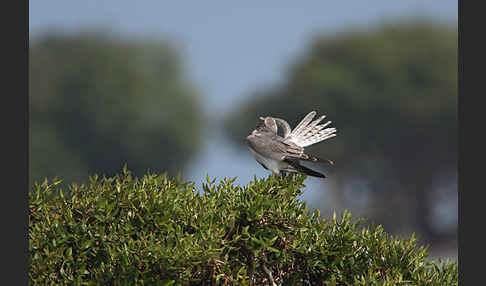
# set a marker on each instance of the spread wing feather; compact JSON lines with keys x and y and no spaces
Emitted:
{"x":308,"y":132}
{"x":301,"y":126}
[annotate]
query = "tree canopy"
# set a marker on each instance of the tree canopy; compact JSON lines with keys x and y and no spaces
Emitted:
{"x":98,"y":101}
{"x":158,"y":230}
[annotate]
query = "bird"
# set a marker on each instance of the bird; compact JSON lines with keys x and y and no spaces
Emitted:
{"x":285,"y":153}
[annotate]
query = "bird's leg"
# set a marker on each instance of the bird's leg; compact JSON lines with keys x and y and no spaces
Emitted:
{"x":272,"y":178}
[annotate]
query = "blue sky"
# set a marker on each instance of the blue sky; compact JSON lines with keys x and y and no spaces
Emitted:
{"x":231,"y":48}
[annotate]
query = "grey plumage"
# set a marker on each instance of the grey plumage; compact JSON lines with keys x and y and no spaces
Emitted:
{"x":283,"y":154}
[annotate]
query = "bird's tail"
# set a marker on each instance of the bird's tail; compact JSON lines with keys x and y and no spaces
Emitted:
{"x":295,"y":167}
{"x":313,"y":158}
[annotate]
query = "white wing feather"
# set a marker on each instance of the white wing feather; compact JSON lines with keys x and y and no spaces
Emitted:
{"x":301,"y":126}
{"x":307,"y":133}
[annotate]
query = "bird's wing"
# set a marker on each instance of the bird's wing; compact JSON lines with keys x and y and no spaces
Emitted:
{"x":292,"y":151}
{"x":308,"y":132}
{"x":284,"y":125}
{"x":264,"y":143}
{"x":286,"y":149}
{"x":299,"y":154}
{"x":273,"y":146}
{"x":270,"y":123}
{"x":301,"y":126}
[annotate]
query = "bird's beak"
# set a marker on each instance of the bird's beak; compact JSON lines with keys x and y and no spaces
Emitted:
{"x":330,"y":162}
{"x":262,"y":118}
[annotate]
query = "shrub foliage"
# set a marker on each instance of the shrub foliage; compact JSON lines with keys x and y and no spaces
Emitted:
{"x":157,"y":230}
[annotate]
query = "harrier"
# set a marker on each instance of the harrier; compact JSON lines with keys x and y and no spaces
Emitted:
{"x":283,"y":154}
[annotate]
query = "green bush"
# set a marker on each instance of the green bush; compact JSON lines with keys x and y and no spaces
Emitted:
{"x":157,"y":230}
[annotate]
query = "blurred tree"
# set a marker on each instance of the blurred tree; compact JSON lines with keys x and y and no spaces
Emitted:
{"x":98,"y":101}
{"x":392,"y":93}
